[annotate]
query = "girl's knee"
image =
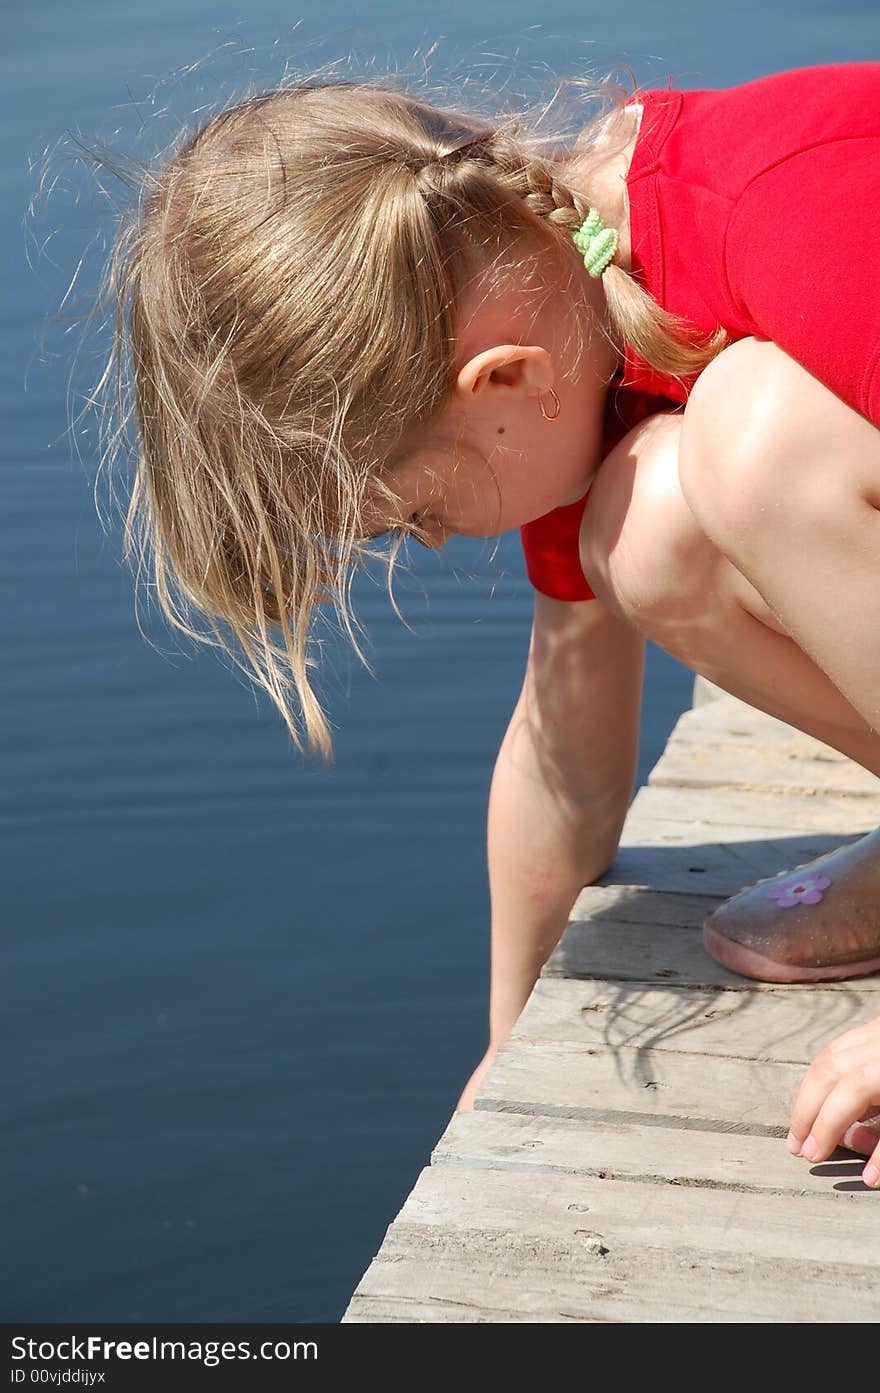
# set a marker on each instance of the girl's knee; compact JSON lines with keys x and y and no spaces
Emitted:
{"x":640,"y":546}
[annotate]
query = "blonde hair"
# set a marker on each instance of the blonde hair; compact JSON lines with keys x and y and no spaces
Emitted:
{"x":284,"y":296}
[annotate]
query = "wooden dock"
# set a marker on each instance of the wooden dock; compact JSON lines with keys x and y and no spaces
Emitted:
{"x":625,"y":1161}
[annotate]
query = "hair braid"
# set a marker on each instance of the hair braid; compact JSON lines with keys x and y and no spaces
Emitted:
{"x":536,"y":183}
{"x":662,"y":339}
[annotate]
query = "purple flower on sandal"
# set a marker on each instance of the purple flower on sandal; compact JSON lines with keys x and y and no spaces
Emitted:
{"x":803,"y":889}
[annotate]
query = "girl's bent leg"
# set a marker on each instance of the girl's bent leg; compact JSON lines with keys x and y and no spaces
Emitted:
{"x":647,"y":558}
{"x":784,"y":478}
{"x":649,"y":561}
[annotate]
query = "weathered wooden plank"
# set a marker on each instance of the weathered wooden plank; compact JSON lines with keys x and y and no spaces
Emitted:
{"x":734,"y":720}
{"x":639,"y":948}
{"x":618,"y":1150}
{"x":717,"y":859}
{"x":777,"y":814}
{"x":647,"y":1287}
{"x":787,"y":1026}
{"x":487,"y":1245}
{"x":723,"y":765}
{"x":705,"y":691}
{"x":731,"y":723}
{"x":642,"y":951}
{"x":625,"y":904}
{"x":721,"y":1094}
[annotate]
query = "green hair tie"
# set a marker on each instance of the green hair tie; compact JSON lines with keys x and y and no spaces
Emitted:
{"x":597,"y":242}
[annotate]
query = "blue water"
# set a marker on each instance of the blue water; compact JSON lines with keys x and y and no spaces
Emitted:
{"x":243,"y":991}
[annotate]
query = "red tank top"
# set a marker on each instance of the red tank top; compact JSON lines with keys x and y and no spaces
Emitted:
{"x":756,"y":207}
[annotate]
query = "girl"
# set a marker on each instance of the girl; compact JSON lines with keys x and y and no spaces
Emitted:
{"x":350,"y":312}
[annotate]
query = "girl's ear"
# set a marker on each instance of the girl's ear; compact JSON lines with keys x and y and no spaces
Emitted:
{"x":523,"y":367}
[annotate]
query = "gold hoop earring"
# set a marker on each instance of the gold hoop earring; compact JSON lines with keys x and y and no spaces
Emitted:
{"x":558,"y":406}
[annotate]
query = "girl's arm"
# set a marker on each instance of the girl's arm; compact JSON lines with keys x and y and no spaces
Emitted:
{"x":560,"y":792}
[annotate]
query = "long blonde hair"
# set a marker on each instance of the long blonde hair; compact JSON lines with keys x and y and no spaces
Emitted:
{"x":284,"y":292}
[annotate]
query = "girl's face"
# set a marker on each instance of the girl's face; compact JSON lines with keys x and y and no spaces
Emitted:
{"x":493,"y":426}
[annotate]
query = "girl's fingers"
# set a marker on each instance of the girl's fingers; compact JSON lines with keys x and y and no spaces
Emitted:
{"x":861,"y":1138}
{"x":845,"y":1104}
{"x":871,"y":1173}
{"x":823,"y":1075}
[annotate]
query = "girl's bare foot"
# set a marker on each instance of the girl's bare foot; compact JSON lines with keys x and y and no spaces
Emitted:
{"x":816,"y":923}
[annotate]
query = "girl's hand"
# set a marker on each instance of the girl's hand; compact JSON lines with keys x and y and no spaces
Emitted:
{"x":840,"y":1090}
